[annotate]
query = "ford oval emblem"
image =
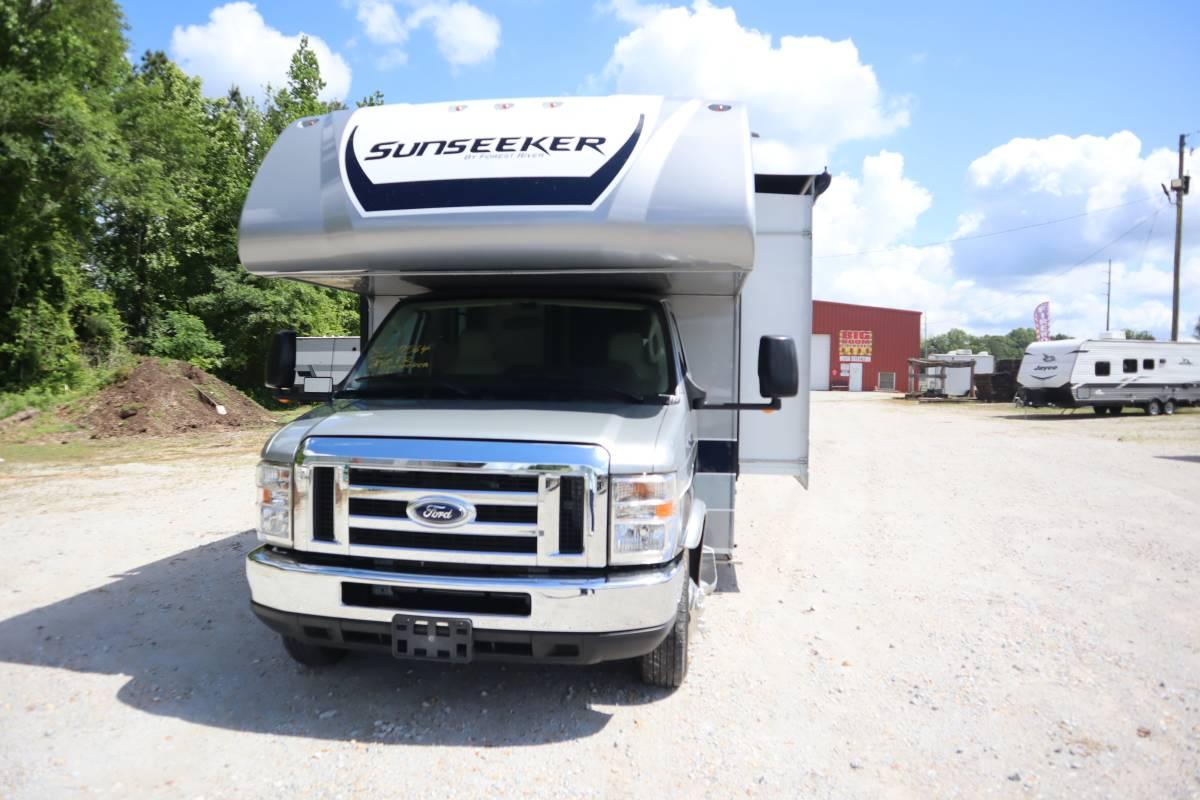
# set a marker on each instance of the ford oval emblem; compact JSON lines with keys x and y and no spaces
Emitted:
{"x":441,"y":512}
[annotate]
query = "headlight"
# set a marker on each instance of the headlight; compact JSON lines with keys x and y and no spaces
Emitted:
{"x":274,"y":483}
{"x":647,"y":519}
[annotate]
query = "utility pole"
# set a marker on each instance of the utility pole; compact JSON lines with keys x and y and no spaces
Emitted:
{"x":1180,"y":187}
{"x":1108,"y":300}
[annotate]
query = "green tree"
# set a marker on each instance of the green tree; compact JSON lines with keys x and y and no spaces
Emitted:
{"x":153,"y":251}
{"x":299,"y":97}
{"x":240,"y":309}
{"x":123,"y":189}
{"x":1196,"y":330}
{"x":375,"y":98}
{"x":59,"y":66}
{"x":1130,"y":333}
{"x":180,"y":335}
{"x":948,"y":342}
{"x":1009,"y":345}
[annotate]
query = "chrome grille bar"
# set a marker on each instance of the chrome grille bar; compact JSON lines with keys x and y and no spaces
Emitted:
{"x":486,"y":477}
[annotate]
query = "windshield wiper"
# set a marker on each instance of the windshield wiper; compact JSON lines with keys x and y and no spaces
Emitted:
{"x":403,"y":380}
{"x":600,"y":388}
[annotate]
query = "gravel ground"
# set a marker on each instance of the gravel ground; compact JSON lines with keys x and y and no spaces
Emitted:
{"x":965,"y":604}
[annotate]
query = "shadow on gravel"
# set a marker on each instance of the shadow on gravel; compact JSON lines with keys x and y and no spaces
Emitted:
{"x":1192,"y":459}
{"x":182,"y":630}
{"x":1079,"y":415}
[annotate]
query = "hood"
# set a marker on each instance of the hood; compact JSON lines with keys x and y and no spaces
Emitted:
{"x":638,"y":438}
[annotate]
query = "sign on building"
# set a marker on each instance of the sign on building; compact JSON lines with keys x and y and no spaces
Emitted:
{"x":853,"y":346}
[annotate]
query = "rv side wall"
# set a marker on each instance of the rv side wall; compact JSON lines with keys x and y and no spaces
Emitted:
{"x":709,"y":328}
{"x":777,"y":299}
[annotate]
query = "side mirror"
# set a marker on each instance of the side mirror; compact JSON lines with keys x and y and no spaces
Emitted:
{"x":281,"y":361}
{"x":778,"y":373}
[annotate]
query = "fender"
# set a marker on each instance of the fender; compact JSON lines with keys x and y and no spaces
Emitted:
{"x":695,"y":525}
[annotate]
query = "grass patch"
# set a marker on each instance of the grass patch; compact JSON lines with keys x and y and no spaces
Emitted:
{"x":74,"y":452}
{"x":43,"y":398}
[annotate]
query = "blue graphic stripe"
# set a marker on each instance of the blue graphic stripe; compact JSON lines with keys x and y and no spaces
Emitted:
{"x":482,"y":192}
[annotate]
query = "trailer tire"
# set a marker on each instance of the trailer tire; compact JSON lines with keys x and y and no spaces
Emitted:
{"x":1169,"y":407}
{"x":1099,"y":411}
{"x":666,"y":665}
{"x":1154,"y":408}
{"x":1115,"y":410}
{"x":312,"y":655}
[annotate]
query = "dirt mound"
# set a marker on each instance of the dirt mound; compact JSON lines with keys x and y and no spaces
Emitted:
{"x":160,"y":397}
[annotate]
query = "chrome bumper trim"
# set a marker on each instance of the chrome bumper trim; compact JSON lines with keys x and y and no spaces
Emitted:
{"x":620,"y":602}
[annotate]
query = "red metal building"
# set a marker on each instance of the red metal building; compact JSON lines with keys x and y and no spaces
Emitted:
{"x":863,"y":348}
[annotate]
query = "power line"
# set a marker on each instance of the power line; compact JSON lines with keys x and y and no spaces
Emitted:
{"x":1041,"y":282}
{"x":969,"y":237}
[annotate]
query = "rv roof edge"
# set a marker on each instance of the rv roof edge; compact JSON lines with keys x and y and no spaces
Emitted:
{"x":604,"y":189}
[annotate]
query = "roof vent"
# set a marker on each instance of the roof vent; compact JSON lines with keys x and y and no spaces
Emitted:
{"x":1111,"y":335}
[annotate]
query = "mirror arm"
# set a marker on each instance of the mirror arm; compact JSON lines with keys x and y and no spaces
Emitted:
{"x":775,"y":404}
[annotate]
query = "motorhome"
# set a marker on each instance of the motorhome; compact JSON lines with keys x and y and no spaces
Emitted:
{"x":1109,"y":374}
{"x":585,"y":317}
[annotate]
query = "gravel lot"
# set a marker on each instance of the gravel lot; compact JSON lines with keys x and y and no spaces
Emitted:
{"x":966,"y":603}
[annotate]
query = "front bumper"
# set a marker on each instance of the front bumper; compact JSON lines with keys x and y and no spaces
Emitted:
{"x":626,"y":601}
{"x":489,"y":645}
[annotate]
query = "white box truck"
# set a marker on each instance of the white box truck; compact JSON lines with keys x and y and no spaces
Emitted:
{"x":578,"y":310}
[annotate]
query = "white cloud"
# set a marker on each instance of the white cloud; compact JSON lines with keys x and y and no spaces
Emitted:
{"x":465,"y":34}
{"x":632,"y":11}
{"x":1029,"y":180}
{"x":381,"y":23}
{"x":870,"y":215}
{"x":806,"y":94}
{"x":236,"y":47}
{"x":991,"y":284}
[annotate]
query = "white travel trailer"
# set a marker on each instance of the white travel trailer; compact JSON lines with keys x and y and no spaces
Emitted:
{"x":1110,"y":373}
{"x":959,"y":381}
{"x":578,"y":310}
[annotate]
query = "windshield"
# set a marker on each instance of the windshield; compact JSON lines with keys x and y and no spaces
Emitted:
{"x":512,"y":348}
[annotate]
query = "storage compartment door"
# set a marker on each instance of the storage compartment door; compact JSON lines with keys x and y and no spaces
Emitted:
{"x":777,"y":299}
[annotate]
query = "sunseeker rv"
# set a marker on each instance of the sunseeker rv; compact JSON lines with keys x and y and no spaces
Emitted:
{"x":579,"y":310}
{"x":1110,"y":373}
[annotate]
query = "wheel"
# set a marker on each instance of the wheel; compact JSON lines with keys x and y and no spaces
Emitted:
{"x":666,"y":665}
{"x":1154,"y":408}
{"x":1169,"y":407}
{"x":312,"y":655}
{"x":1115,"y":410}
{"x":1099,"y":411}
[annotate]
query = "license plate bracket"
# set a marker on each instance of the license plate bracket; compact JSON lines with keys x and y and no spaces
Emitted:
{"x":432,"y":638}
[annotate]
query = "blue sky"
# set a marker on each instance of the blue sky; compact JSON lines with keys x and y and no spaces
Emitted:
{"x":923,"y":96}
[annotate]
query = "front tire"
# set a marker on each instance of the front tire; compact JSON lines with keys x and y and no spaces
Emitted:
{"x":666,"y":665}
{"x":1099,"y":411}
{"x":312,"y":655}
{"x":1154,"y":408}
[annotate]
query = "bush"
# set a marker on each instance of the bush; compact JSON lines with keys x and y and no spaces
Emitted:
{"x":181,"y":336}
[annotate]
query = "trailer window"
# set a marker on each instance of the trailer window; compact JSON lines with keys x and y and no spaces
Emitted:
{"x":1129,"y":365}
{"x":1102,"y":368}
{"x":1147,"y":363}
